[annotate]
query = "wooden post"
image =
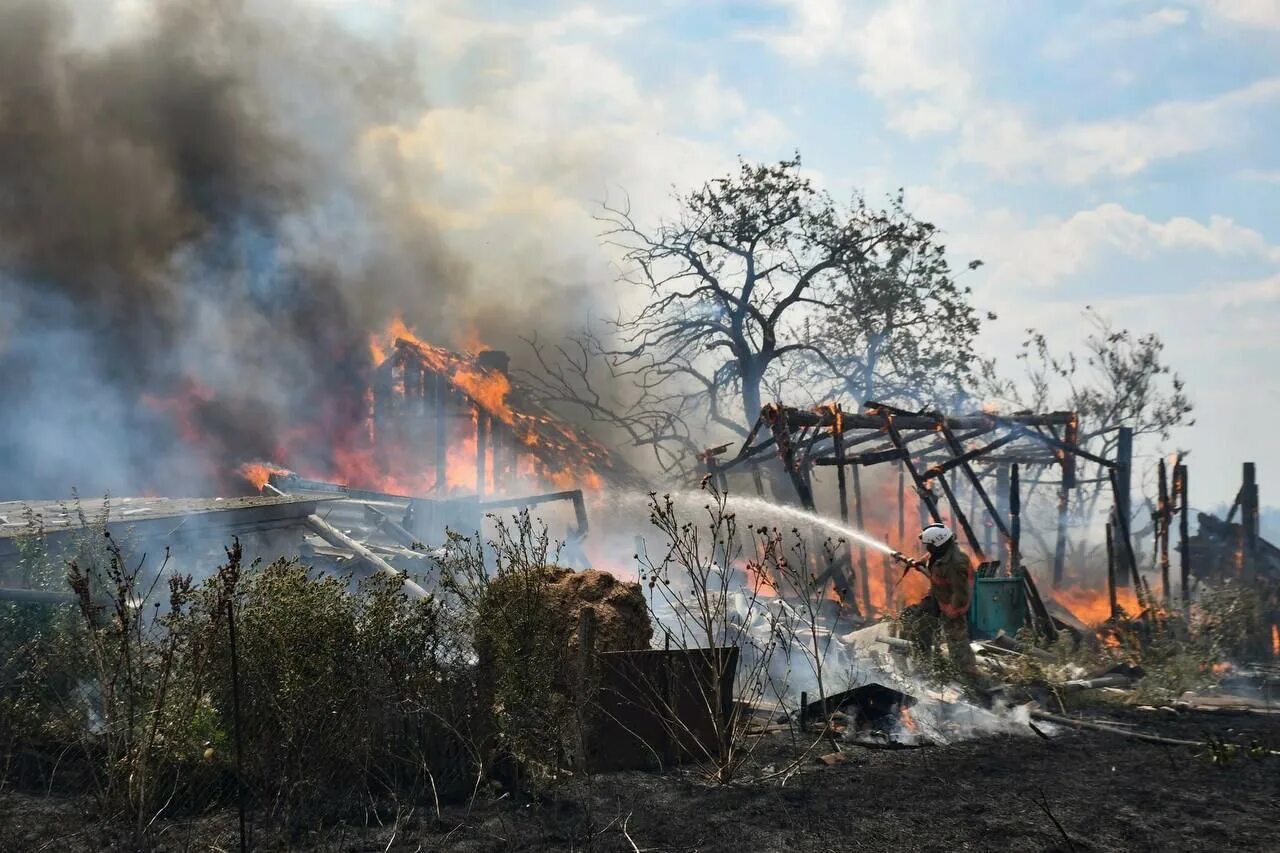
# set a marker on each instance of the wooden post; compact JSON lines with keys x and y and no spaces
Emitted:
{"x":482,"y":448}
{"x":1068,"y":462}
{"x":960,"y":518}
{"x":1123,"y":486}
{"x":1249,"y":518}
{"x":973,"y":513}
{"x":1125,"y":544}
{"x":1184,"y":537}
{"x":786,"y":448}
{"x":1015,"y":520}
{"x":837,"y":441}
{"x":1001,"y":515}
{"x":440,"y":396}
{"x":1111,"y":570}
{"x":922,"y":488}
{"x":1162,"y":533}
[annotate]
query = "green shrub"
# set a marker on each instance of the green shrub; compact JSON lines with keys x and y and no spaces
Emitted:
{"x":521,"y":641}
{"x":344,"y":698}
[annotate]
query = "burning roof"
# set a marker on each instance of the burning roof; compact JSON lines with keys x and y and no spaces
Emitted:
{"x":563,"y":449}
{"x":444,"y":424}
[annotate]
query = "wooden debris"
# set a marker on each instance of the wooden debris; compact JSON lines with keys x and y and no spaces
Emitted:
{"x":1115,"y":730}
{"x":338,"y":539}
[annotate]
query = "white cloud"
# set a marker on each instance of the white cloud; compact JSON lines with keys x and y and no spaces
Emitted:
{"x":999,"y":138}
{"x":1050,"y":252}
{"x":1069,"y":43}
{"x":715,"y":104}
{"x":1040,"y":254}
{"x":763,"y":134}
{"x":911,"y":54}
{"x":1262,"y":14}
{"x":921,"y":61}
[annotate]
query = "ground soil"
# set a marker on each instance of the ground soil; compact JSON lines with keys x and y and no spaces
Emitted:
{"x":1001,"y":793}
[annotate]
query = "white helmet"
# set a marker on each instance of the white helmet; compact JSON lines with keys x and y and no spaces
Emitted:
{"x":936,"y":535}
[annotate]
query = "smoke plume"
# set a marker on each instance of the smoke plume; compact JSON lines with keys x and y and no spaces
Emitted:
{"x":193,"y":245}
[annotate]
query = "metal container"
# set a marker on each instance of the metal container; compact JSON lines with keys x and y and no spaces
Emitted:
{"x":999,"y":604}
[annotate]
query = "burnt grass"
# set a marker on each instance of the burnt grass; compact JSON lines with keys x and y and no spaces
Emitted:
{"x":996,"y":793}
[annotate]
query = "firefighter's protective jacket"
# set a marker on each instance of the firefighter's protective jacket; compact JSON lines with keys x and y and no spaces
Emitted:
{"x":951,"y":574}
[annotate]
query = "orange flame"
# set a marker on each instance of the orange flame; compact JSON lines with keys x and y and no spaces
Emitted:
{"x":908,"y":722}
{"x":259,"y":473}
{"x":538,"y":451}
{"x":1275,"y":641}
{"x":1093,"y":606}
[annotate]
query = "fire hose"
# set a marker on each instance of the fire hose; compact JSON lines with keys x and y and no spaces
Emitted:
{"x":909,"y":563}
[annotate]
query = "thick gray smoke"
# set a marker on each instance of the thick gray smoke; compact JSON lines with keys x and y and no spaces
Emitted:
{"x":192,"y":255}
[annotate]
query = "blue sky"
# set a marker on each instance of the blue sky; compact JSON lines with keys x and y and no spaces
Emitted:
{"x":1120,"y":154}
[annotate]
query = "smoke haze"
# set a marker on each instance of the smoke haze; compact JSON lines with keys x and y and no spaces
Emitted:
{"x":198,"y":232}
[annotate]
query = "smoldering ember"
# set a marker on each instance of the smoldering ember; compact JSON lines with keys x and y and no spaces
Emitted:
{"x":474,"y":427}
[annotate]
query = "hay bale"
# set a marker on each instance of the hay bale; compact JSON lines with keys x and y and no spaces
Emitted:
{"x":621,"y":614}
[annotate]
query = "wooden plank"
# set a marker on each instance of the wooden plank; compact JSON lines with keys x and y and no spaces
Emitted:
{"x":179,"y":521}
{"x":1163,"y":515}
{"x":338,"y":539}
{"x":1184,"y":538}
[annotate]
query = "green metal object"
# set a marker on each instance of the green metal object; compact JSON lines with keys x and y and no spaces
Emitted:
{"x":999,"y":604}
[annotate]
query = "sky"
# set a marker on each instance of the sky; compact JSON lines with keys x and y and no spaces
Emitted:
{"x":1120,"y":155}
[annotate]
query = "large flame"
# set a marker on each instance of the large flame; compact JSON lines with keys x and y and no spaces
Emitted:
{"x":259,"y":473}
{"x":525,"y":450}
{"x":1093,"y":606}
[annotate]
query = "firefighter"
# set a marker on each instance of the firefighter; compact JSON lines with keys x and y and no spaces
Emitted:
{"x":951,"y":588}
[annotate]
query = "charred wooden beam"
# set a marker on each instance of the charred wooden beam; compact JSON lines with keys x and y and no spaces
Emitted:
{"x":1072,"y":439}
{"x":874,"y":457}
{"x":1163,"y":516}
{"x":1184,"y":537}
{"x":797,"y":418}
{"x":1015,"y":520}
{"x":921,"y":486}
{"x":837,"y":439}
{"x":1056,"y":443}
{"x":786,"y":449}
{"x":959,"y":516}
{"x":1122,"y":487}
{"x":1126,"y":544}
{"x":1111,"y":570}
{"x":978,"y":490}
{"x":963,"y":457}
{"x":1249,"y":519}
